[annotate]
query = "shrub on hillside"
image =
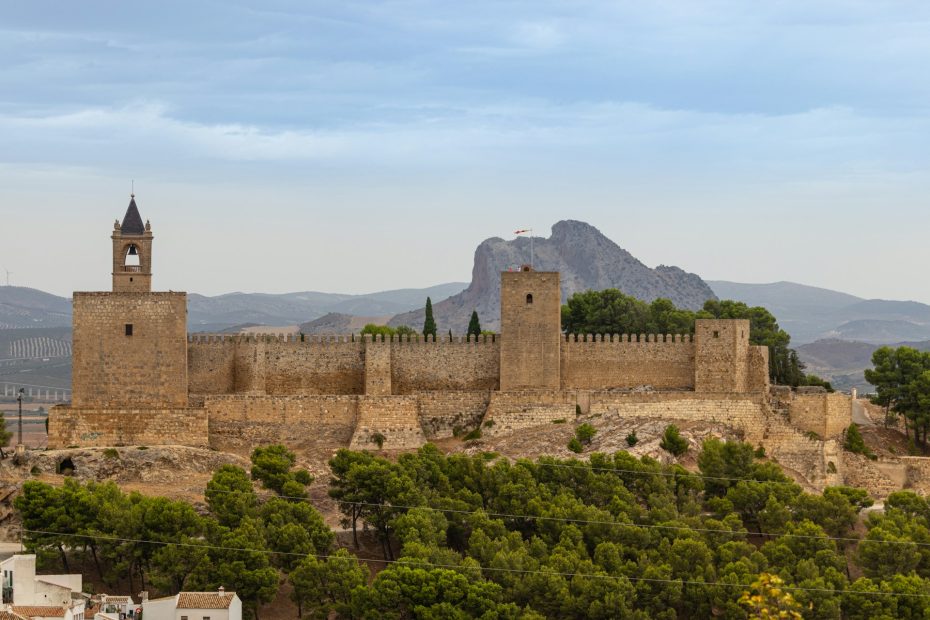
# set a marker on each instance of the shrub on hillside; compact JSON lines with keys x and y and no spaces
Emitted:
{"x":673,"y":442}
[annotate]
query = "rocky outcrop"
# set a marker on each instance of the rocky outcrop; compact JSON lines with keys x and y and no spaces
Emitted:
{"x":586,"y":259}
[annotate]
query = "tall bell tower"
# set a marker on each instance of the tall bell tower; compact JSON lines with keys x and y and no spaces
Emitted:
{"x":132,"y":253}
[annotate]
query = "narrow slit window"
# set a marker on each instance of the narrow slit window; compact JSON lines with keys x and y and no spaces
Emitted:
{"x":129,"y":329}
{"x":529,"y":298}
{"x":716,"y":334}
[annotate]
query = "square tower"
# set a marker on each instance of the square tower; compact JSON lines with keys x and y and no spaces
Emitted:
{"x":130,"y":346}
{"x":721,"y":355}
{"x":531,"y":329}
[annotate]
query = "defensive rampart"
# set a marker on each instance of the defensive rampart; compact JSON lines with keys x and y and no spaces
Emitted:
{"x":626,"y":361}
{"x":68,"y":426}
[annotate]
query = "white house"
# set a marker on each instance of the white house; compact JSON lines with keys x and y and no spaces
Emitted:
{"x":220,"y":605}
{"x":119,"y":607}
{"x":40,"y":596}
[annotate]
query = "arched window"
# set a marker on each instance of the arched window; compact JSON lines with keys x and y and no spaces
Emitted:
{"x":132,"y":256}
{"x":529,"y":298}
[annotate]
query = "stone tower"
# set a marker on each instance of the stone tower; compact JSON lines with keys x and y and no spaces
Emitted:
{"x":721,"y":355}
{"x":130,"y":345}
{"x":531,"y":329}
{"x":132,"y":253}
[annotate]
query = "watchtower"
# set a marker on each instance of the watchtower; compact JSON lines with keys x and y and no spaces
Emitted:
{"x":531,"y":329}
{"x":130,"y":345}
{"x":721,"y":355}
{"x":132,"y":253}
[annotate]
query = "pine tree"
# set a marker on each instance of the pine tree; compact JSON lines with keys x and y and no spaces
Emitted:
{"x":429,"y":324}
{"x":474,"y":325}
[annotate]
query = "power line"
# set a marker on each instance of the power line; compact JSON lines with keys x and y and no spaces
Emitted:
{"x":466,"y":568}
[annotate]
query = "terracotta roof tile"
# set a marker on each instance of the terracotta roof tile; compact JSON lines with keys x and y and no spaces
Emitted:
{"x":42,"y":611}
{"x":9,"y":615}
{"x":205,"y":600}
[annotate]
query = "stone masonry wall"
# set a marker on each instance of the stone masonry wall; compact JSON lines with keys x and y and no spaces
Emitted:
{"x":130,"y":349}
{"x":240,"y":422}
{"x":393,"y":418}
{"x":826,"y":414}
{"x":211,"y":363}
{"x":624,"y":361}
{"x":442,"y":413}
{"x":69,"y":426}
{"x":339,"y":365}
{"x":444,"y":365}
{"x":517,"y":409}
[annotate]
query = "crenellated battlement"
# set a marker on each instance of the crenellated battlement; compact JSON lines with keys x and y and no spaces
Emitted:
{"x":205,"y":338}
{"x":630,"y":338}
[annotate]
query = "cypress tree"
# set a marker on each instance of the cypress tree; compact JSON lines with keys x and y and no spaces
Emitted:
{"x":429,"y":324}
{"x":474,"y":325}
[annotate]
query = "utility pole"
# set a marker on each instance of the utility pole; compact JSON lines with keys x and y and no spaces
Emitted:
{"x":19,"y":399}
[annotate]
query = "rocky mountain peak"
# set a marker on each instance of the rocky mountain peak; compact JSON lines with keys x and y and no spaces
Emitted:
{"x":586,"y":259}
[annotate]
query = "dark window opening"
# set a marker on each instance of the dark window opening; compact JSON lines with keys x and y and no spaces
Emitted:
{"x":130,"y":279}
{"x":529,"y":298}
{"x":716,"y":334}
{"x":129,"y":329}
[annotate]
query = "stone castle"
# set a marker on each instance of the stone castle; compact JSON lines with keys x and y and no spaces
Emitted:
{"x":140,"y":379}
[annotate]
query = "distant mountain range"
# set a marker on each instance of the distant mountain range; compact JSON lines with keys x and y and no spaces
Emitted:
{"x":844,"y":362}
{"x":225,"y":311}
{"x":809,"y":313}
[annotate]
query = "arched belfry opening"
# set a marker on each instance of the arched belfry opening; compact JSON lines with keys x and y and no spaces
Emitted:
{"x":132,"y":256}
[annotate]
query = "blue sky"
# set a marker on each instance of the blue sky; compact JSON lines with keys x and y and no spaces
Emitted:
{"x":360,"y":146}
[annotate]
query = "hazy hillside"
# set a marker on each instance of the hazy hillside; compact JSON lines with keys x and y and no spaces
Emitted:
{"x":28,"y":307}
{"x":810,"y":313}
{"x":843,"y":361}
{"x":586,"y":260}
{"x":224,"y":311}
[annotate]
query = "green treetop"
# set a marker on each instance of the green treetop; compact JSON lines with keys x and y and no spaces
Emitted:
{"x":474,"y":325}
{"x":429,"y":323}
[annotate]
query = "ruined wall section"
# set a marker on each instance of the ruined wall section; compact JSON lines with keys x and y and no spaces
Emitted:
{"x":68,"y":426}
{"x":825,"y":414}
{"x":387,"y":422}
{"x":240,"y":422}
{"x":447,"y":414}
{"x":627,"y":361}
{"x":130,"y":348}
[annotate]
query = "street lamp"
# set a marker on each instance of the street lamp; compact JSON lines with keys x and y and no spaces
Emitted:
{"x":19,"y":399}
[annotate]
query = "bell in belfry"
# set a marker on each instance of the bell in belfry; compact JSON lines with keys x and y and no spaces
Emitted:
{"x":132,"y":251}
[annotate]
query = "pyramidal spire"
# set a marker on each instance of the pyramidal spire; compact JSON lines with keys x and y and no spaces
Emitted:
{"x":132,"y":221}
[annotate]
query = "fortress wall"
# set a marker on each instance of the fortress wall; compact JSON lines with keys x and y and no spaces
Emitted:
{"x":211,"y":364}
{"x":740,"y":411}
{"x":441,"y":413}
{"x":393,"y":418}
{"x":517,"y":409}
{"x":442,"y":365}
{"x":239,"y":422}
{"x":68,"y":426}
{"x":280,"y":366}
{"x":625,"y":361}
{"x":826,"y":414}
